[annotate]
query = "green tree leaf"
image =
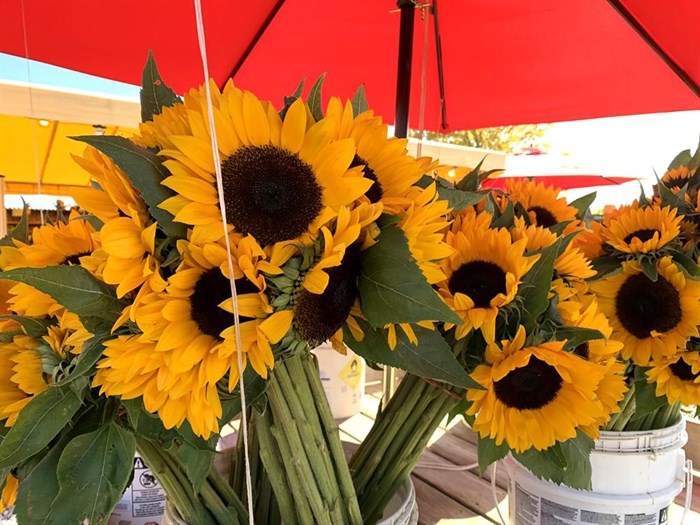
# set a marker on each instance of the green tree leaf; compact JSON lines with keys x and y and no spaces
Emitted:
{"x":74,"y":288}
{"x":314,"y":99}
{"x":392,"y":287}
{"x":19,"y":232}
{"x":488,"y":452}
{"x":582,"y":204}
{"x":145,"y":171}
{"x":432,"y":358}
{"x":155,"y":95}
{"x":568,"y":464}
{"x":39,"y":422}
{"x":93,"y":473}
{"x":359,"y":101}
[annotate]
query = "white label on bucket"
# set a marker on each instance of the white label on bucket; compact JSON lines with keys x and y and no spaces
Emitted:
{"x":143,"y":503}
{"x":531,"y":509}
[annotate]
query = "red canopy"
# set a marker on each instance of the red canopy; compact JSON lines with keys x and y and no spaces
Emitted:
{"x":563,"y":182}
{"x":505,"y":61}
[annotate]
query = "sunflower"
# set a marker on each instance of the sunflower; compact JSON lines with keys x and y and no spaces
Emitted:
{"x":116,"y":197}
{"x":9,"y":492}
{"x":588,"y":315}
{"x":590,"y":241}
{"x":674,"y":179}
{"x":384,"y":160}
{"x":677,"y":378}
{"x":21,"y":376}
{"x":188,"y":342}
{"x":642,"y":230}
{"x":572,"y":264}
{"x":541,"y":202}
{"x":483,"y":274}
{"x":651,"y":319}
{"x":281,"y":179}
{"x":533,"y":396}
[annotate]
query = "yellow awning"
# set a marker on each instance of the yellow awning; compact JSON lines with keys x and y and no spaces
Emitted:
{"x":33,"y":150}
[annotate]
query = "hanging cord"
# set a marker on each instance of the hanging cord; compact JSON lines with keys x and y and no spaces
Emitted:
{"x":495,"y":495}
{"x":234,"y":295}
{"x":440,"y":466}
{"x":35,"y":138}
{"x":423,"y":78}
{"x":688,"y":488}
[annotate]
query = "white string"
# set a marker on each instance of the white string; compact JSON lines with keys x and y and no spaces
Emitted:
{"x":688,"y":489}
{"x":234,"y":295}
{"x":494,"y":494}
{"x":442,"y":466}
{"x":423,"y":80}
{"x":35,"y":138}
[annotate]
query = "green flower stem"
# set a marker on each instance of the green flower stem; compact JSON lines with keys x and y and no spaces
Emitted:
{"x":180,"y":495}
{"x":332,"y":437}
{"x":379,"y":494}
{"x":301,"y":404}
{"x":275,"y":468}
{"x":226,"y":492}
{"x":668,"y":416}
{"x":627,"y":408}
{"x":213,"y":502}
{"x":396,"y":441}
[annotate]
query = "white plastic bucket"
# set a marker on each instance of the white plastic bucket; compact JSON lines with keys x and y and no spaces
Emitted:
{"x":635,"y":478}
{"x":143,"y":503}
{"x":343,"y":378}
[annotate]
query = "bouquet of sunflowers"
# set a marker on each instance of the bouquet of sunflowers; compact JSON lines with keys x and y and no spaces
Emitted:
{"x":214,"y":248}
{"x":648,"y":286}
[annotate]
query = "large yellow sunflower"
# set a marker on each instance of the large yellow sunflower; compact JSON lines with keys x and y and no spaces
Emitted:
{"x":533,"y":396}
{"x":543,"y":204}
{"x":586,"y":314}
{"x":651,"y":319}
{"x":642,"y":230}
{"x":281,"y":180}
{"x":483,"y":273}
{"x":384,"y":160}
{"x":677,"y":378}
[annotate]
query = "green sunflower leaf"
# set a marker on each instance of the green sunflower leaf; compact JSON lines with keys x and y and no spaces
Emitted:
{"x":74,"y":288}
{"x":20,"y":232}
{"x":288,"y":101}
{"x":32,"y":327}
{"x":314,"y":99}
{"x":488,"y":452}
{"x":682,"y":159}
{"x":573,"y":454}
{"x":7,"y":337}
{"x":505,"y":218}
{"x":86,"y":360}
{"x":196,"y":463}
{"x":582,"y":204}
{"x":359,"y":101}
{"x":39,"y":422}
{"x":687,"y":263}
{"x":147,"y":425}
{"x":93,"y":472}
{"x":471,"y":181}
{"x":145,"y":171}
{"x":605,"y":265}
{"x":534,"y":288}
{"x":458,"y":199}
{"x":645,"y":398}
{"x":392,"y":287}
{"x":649,"y":268}
{"x":254,"y":388}
{"x":675,"y":200}
{"x":432,"y":358}
{"x":155,"y":95}
{"x":576,"y":335}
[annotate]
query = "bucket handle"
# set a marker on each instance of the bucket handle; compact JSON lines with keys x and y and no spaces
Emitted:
{"x":688,"y":470}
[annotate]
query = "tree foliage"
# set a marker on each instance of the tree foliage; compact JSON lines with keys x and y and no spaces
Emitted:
{"x":510,"y":139}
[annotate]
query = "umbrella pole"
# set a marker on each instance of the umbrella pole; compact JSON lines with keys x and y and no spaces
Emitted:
{"x":403,"y":77}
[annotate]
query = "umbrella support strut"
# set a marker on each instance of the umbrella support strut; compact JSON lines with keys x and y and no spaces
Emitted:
{"x":403,"y":78}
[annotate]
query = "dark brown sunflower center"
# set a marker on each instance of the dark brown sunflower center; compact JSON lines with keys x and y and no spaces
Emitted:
{"x":683,"y":370}
{"x":73,"y":260}
{"x":583,"y":350}
{"x":318,"y":316}
{"x":676,"y":183}
{"x":211,"y":290}
{"x":643,"y":235}
{"x":543,"y":216}
{"x":270,"y":193}
{"x":375,"y":192}
{"x":530,"y":387}
{"x":643,"y":305}
{"x":480,"y":280}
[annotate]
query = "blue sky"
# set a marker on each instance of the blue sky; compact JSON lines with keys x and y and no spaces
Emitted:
{"x":22,"y":70}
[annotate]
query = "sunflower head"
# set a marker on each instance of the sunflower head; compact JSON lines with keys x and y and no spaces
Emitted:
{"x":544,"y":206}
{"x":650,"y":318}
{"x":281,"y":178}
{"x":638,"y":230}
{"x":677,"y":377}
{"x":483,"y":273}
{"x":533,"y":396}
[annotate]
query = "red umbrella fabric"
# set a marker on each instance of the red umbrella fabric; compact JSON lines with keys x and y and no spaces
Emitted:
{"x":505,"y":61}
{"x":563,"y":182}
